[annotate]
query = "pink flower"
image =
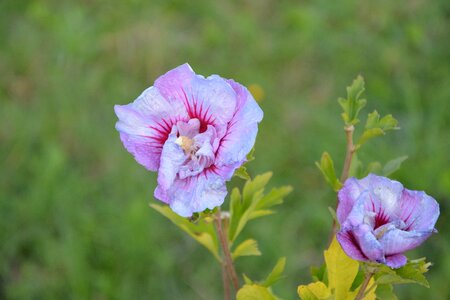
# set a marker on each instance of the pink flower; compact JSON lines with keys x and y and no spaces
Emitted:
{"x":194,"y":131}
{"x":380,"y":219}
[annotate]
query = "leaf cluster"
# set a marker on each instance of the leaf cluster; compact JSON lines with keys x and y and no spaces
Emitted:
{"x":341,"y":277}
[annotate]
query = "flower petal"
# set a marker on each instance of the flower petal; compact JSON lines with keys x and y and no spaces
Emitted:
{"x":211,"y":100}
{"x":347,"y":196}
{"x":242,"y":129}
{"x":350,"y":245}
{"x":193,"y":194}
{"x":145,"y":124}
{"x":387,"y":191}
{"x":396,"y":261}
{"x":172,"y":157}
{"x":396,"y":241}
{"x":418,"y":210}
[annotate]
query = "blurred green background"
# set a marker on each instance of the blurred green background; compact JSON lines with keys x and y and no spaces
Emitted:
{"x":74,"y":215}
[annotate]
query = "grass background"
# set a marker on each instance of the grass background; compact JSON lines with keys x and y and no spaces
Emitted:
{"x":74,"y":215}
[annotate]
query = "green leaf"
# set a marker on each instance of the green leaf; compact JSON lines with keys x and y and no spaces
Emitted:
{"x":242,"y":173}
{"x":393,"y":165}
{"x":247,"y":280}
{"x":253,"y":203}
{"x":276,"y":273}
{"x":326,"y":166}
{"x":353,"y":104}
{"x":341,"y":269}
{"x":314,"y":291}
{"x":376,"y":126}
{"x":412,"y":272}
{"x":319,"y":274}
{"x":246,"y":248}
{"x":385,"y":292}
{"x":255,"y":292}
{"x":369,"y":134}
{"x":202,"y":231}
{"x":373,"y":167}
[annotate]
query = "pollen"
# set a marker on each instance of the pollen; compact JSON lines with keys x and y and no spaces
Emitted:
{"x":185,"y":143}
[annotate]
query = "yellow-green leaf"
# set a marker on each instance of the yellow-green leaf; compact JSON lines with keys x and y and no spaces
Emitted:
{"x":276,"y":272}
{"x":341,"y":270}
{"x":255,"y":292}
{"x":203,"y":231}
{"x":326,"y":166}
{"x":314,"y":291}
{"x":246,"y":248}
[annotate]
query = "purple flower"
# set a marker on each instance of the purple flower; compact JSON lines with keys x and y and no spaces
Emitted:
{"x":380,"y":219}
{"x":194,"y":131}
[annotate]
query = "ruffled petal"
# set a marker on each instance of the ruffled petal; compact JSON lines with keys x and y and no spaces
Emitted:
{"x":350,"y":245}
{"x":242,"y":129}
{"x":368,"y":243}
{"x":211,"y":100}
{"x":418,"y":210}
{"x":396,"y":261}
{"x":387,"y":191}
{"x":396,"y":241}
{"x":145,"y":124}
{"x":172,"y":158}
{"x":194,"y":194}
{"x":347,"y":196}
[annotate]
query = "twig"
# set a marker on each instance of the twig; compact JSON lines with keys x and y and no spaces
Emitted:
{"x":346,"y":168}
{"x":349,"y":153}
{"x":227,"y":260}
{"x":226,"y":283}
{"x":363,"y":287}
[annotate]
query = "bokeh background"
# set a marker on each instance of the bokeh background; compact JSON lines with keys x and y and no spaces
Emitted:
{"x":74,"y":215}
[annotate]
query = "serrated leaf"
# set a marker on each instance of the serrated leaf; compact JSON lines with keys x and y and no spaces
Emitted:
{"x":341,"y":270}
{"x":376,"y":126}
{"x":202,"y":231}
{"x":393,"y":165}
{"x":242,"y":173}
{"x":412,"y":272}
{"x":353,"y":104}
{"x":385,"y":292}
{"x":370,"y":134}
{"x":254,"y":292}
{"x":314,"y":291}
{"x":260,"y":213}
{"x":276,"y":273}
{"x":246,"y":248}
{"x":253,"y":203}
{"x":326,"y":166}
{"x":274,"y":197}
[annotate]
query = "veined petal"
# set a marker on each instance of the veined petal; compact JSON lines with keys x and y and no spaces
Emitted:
{"x":368,"y":243}
{"x":396,"y":241}
{"x":350,"y":245}
{"x":396,"y":261}
{"x":242,"y":128}
{"x":347,"y":196}
{"x":194,"y":194}
{"x":418,"y":210}
{"x":172,"y":157}
{"x":145,"y":124}
{"x":387,"y":191}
